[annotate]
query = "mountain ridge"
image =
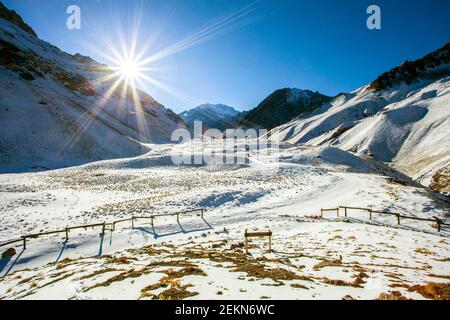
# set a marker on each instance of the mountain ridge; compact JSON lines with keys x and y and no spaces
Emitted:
{"x":59,"y":109}
{"x":212,"y":116}
{"x":15,"y":18}
{"x":282,"y":106}
{"x":401,"y":118}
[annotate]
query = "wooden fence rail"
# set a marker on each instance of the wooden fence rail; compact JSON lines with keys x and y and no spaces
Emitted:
{"x":326,"y":210}
{"x":66,"y":231}
{"x":399,"y":216}
{"x":248,"y":235}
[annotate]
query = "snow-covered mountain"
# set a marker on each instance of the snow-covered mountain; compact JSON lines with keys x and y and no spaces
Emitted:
{"x":282,"y":106}
{"x":403,"y":118}
{"x":58,"y":109}
{"x":216,"y":116}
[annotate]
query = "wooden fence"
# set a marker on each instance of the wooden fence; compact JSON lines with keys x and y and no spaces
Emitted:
{"x":103,"y":225}
{"x":371,"y":211}
{"x":248,"y":235}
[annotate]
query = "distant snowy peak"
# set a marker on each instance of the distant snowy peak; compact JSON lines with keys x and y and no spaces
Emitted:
{"x":431,"y":67}
{"x":217,"y":116}
{"x":282,"y":106}
{"x":218,"y":109}
{"x":294,"y":95}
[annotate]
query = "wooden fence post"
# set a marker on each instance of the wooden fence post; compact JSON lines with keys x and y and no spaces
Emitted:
{"x":345,"y":211}
{"x":337,"y":211}
{"x":132,"y":222}
{"x":246,"y":242}
{"x":202,"y":214}
{"x":398,"y":218}
{"x":439,"y":223}
{"x":24,"y":243}
{"x":67,"y":234}
{"x":370,"y":214}
{"x":103,"y":228}
{"x":321,"y":213}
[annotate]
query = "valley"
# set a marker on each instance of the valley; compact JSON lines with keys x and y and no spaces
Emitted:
{"x":284,"y":197}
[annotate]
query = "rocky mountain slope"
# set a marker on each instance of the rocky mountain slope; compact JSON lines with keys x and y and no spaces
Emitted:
{"x":403,"y":118}
{"x":282,"y":106}
{"x":58,"y":109}
{"x":216,"y":116}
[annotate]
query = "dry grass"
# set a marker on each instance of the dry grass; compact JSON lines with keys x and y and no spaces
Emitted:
{"x":188,"y":271}
{"x":98,"y":272}
{"x":299,"y":286}
{"x":356,"y":283}
{"x":441,"y":276}
{"x":120,"y":277}
{"x":328,"y":263}
{"x":175,"y":293}
{"x":259,"y":271}
{"x":176,"y":290}
{"x":394,"y":295}
{"x":423,"y":251}
{"x":435,"y":291}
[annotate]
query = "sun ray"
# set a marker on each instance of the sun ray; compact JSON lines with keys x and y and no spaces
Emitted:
{"x":89,"y":115}
{"x":231,"y":22}
{"x":130,"y":64}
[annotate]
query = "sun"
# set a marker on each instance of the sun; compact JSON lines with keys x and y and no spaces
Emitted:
{"x":129,"y":69}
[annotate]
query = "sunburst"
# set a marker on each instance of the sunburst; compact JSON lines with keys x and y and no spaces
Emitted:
{"x":129,"y":68}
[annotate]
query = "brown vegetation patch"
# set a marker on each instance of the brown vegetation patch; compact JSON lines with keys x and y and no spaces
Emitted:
{"x":393,"y":295}
{"x":357,"y":282}
{"x":188,"y":271}
{"x":299,"y":286}
{"x":196,"y":254}
{"x":120,"y":277}
{"x":175,"y":293}
{"x":423,"y":251}
{"x":441,"y":181}
{"x":435,"y":291}
{"x":239,"y":245}
{"x":121,"y":260}
{"x":64,"y":263}
{"x":393,"y":276}
{"x":151,"y":251}
{"x":328,"y":263}
{"x":441,"y":276}
{"x":336,"y":237}
{"x":257,"y":270}
{"x":442,"y":260}
{"x":171,"y":263}
{"x":398,"y":285}
{"x":98,"y":272}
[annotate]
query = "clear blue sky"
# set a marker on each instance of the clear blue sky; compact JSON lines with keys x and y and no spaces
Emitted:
{"x":318,"y":45}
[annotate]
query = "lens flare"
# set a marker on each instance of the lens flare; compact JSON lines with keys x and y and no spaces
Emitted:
{"x":130,"y":67}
